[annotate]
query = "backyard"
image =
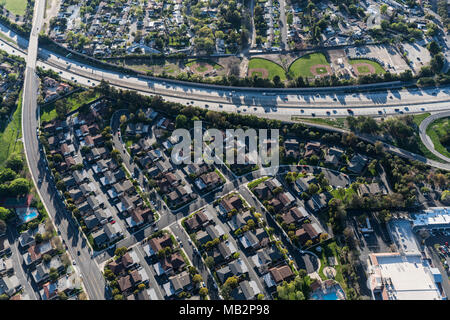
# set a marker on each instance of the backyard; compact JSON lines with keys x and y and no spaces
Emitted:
{"x":75,"y":100}
{"x":329,"y":257}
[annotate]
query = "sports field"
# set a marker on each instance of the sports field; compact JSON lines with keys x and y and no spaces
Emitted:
{"x":17,"y":7}
{"x":306,"y":66}
{"x":201,"y":66}
{"x":365,"y":66}
{"x":265,"y":68}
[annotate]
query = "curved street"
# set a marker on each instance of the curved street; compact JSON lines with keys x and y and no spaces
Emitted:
{"x":426,"y":139}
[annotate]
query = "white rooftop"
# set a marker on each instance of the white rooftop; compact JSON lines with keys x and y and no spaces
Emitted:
{"x":411,"y":277}
{"x":401,"y":231}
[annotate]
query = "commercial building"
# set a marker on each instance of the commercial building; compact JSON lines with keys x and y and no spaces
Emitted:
{"x":432,"y":218}
{"x":395,"y":276}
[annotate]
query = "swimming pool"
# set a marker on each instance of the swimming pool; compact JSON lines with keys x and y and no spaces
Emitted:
{"x":329,"y":296}
{"x":27,"y":214}
{"x":30,"y":216}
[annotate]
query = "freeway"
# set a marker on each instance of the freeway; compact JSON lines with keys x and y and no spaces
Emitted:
{"x":78,"y":248}
{"x":319,"y":102}
{"x":426,"y":139}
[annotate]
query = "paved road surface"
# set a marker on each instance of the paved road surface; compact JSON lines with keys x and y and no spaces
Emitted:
{"x":71,"y":235}
{"x":426,"y":139}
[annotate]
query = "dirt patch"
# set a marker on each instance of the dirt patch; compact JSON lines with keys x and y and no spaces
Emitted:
{"x":201,"y":68}
{"x":262,"y":73}
{"x":321,"y":70}
{"x":363,"y":66}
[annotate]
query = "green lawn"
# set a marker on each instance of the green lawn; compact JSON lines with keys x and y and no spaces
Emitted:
{"x":364,"y":69}
{"x":75,"y":101}
{"x":418,"y":118}
{"x":17,"y":7}
{"x":343,"y":193}
{"x":329,"y":250}
{"x":302,"y":66}
{"x":332,"y":122}
{"x":438,"y":129}
{"x":253,"y":184}
{"x":272,"y":68}
{"x":10,"y":132}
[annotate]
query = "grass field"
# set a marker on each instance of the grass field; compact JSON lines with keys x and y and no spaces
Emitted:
{"x":17,"y":7}
{"x":364,"y":69}
{"x":332,"y":122}
{"x":418,"y":118}
{"x":302,"y":66}
{"x":10,"y":133}
{"x":272,"y":68}
{"x":202,"y":64}
{"x":75,"y":101}
{"x":436,"y":130}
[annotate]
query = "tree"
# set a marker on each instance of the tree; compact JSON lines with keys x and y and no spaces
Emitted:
{"x":383,"y":8}
{"x":141,"y":286}
{"x":385,"y":215}
{"x":19,"y":186}
{"x":38,"y":238}
{"x":209,"y":261}
{"x":14,"y":162}
{"x":181,"y":121}
{"x":203,"y":292}
{"x":62,"y":109}
{"x":54,"y":275}
{"x":323,"y":237}
{"x":445,"y":197}
{"x":7,"y":174}
{"x":5,"y":214}
{"x":120,"y":251}
{"x":433,"y":47}
{"x":47,"y":258}
{"x":231,"y":282}
{"x":197,"y":278}
{"x":123,"y":119}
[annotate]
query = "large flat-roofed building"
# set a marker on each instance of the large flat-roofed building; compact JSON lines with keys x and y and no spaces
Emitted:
{"x":395,"y":276}
{"x":432,"y":218}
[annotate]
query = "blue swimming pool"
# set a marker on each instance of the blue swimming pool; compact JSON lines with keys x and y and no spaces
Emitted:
{"x":26,"y":215}
{"x":31,"y":215}
{"x":328,"y":296}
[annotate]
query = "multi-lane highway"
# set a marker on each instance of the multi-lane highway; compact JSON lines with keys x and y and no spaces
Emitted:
{"x":280,"y":104}
{"x":319,"y":102}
